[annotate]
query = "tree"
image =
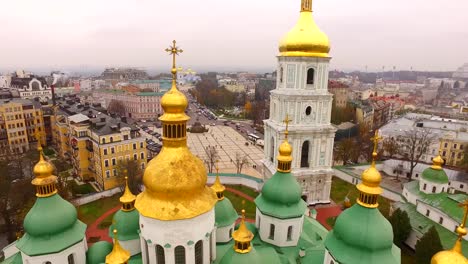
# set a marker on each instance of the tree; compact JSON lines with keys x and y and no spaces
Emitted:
{"x":418,"y":141}
{"x":390,"y":147}
{"x":401,"y":226}
{"x":131,"y":169}
{"x":428,"y":246}
{"x":116,"y":107}
{"x":346,"y":150}
{"x":212,"y":156}
{"x":248,"y":107}
{"x":240,"y":162}
{"x":464,"y":162}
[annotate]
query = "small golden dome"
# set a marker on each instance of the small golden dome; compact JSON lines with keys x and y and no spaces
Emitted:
{"x":118,"y":254}
{"x":43,"y":169}
{"x":305,"y":38}
{"x":128,"y":196}
{"x":174,"y":102}
{"x":437,"y":163}
{"x":242,"y":235}
{"x":285,"y":149}
{"x":371,"y":179}
{"x":448,"y":257}
{"x":217,"y":186}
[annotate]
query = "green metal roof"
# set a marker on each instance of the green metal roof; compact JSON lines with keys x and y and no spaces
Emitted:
{"x":136,"y":259}
{"x":363,"y":236}
{"x":97,"y":252}
{"x":14,"y":259}
{"x":447,"y":203}
{"x":422,"y":224}
{"x":225,"y":214}
{"x":281,"y":197}
{"x":127,"y":224}
{"x":435,"y":176}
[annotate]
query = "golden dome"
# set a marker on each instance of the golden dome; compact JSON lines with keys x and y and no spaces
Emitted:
{"x":175,"y":180}
{"x":217,"y":186}
{"x":118,"y":254}
{"x":43,"y":169}
{"x":242,"y":236}
{"x":127,"y":196}
{"x":285,"y":149}
{"x":454,"y":255}
{"x":305,"y":38}
{"x":437,"y":163}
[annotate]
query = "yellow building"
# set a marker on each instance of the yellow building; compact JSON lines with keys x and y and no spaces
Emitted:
{"x":453,"y":146}
{"x":94,"y":143}
{"x":20,"y":121}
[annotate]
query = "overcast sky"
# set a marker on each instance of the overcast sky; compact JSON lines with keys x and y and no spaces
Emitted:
{"x":240,"y":34}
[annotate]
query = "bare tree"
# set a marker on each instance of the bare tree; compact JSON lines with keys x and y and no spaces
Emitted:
{"x":212,"y":156}
{"x":240,"y":162}
{"x":391,"y":147}
{"x":131,"y":169}
{"x":116,"y":107}
{"x":346,"y":150}
{"x":398,"y":170}
{"x":418,"y":141}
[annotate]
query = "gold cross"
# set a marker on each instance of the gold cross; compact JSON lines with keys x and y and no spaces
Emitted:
{"x":286,"y":121}
{"x":464,"y":204}
{"x":37,"y":135}
{"x":174,"y":50}
{"x":376,"y":140}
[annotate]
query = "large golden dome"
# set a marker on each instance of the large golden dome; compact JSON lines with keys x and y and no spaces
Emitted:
{"x":305,"y":38}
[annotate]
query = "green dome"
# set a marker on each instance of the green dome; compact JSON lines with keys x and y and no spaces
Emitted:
{"x":434,"y":175}
{"x":50,"y":215}
{"x":281,"y":197}
{"x":232,"y":256}
{"x":127,"y":224}
{"x":225,"y":214}
{"x":97,"y":252}
{"x":362,"y":235}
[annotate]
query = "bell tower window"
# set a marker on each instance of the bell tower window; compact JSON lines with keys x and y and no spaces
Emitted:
{"x":310,"y":76}
{"x":308,"y":110}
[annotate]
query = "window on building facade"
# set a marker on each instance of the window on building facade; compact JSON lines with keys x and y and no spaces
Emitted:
{"x":289,"y":235}
{"x":424,"y":187}
{"x":441,"y":220}
{"x":455,"y":146}
{"x":308,"y":110}
{"x":433,"y":189}
{"x":134,"y":145}
{"x":114,"y":171}
{"x":461,"y":186}
{"x":199,"y":252}
{"x":142,"y":155}
{"x":107,"y":174}
{"x":105,"y":151}
{"x":427,"y":212}
{"x":141,"y":144}
{"x":106,"y":163}
{"x":112,"y":150}
{"x":179,"y":255}
{"x":111,"y":139}
{"x":272,"y":232}
{"x":445,"y":145}
{"x":71,"y":259}
{"x":135,"y":156}
{"x":160,"y":257}
{"x":113,"y":162}
{"x":143,"y":166}
{"x":310,"y":76}
{"x":305,"y":154}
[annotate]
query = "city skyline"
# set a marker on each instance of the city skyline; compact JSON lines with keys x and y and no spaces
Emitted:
{"x":49,"y":34}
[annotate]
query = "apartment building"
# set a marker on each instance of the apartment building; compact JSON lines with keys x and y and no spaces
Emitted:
{"x":20,"y":121}
{"x":94,"y":143}
{"x":340,"y":93}
{"x":452,"y":146}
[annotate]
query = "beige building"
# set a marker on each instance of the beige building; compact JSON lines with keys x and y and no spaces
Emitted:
{"x":340,"y":93}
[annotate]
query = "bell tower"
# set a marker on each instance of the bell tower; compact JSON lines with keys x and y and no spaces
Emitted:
{"x":302,"y":94}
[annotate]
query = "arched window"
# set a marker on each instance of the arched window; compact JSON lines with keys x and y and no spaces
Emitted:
{"x":47,"y":262}
{"x":272,"y":149}
{"x":160,"y":258}
{"x":111,"y":139}
{"x":199,"y":252}
{"x":310,"y":76}
{"x":424,"y":187}
{"x":305,"y":154}
{"x":35,"y":86}
{"x":281,"y":74}
{"x":289,"y":236}
{"x":71,"y":259}
{"x":179,"y":254}
{"x":104,"y":141}
{"x":272,"y":232}
{"x":433,"y":189}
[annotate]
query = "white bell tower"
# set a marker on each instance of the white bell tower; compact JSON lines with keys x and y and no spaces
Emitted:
{"x":302,"y":93}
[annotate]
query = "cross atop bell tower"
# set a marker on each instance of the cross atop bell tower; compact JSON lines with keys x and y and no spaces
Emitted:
{"x":174,"y":50}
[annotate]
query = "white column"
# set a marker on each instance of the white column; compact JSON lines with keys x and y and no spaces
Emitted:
{"x":169,"y":255}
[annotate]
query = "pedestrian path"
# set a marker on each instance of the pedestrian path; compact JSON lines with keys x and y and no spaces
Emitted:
{"x":94,"y":231}
{"x":327,"y":211}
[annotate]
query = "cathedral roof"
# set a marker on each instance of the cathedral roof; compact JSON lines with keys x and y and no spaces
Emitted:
{"x":436,"y":173}
{"x":127,"y":224}
{"x":97,"y":252}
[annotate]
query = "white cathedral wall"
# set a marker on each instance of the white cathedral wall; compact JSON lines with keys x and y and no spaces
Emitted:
{"x":222,"y":233}
{"x":281,"y":229}
{"x":78,"y":250}
{"x":438,"y":188}
{"x":133,"y":246}
{"x":179,"y":232}
{"x":436,"y":215}
{"x":328,"y":259}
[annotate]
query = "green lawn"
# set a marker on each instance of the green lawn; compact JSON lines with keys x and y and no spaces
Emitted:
{"x":249,"y":191}
{"x":106,"y":222}
{"x":340,"y":189}
{"x":88,"y":213}
{"x":236,"y":201}
{"x":81,"y":189}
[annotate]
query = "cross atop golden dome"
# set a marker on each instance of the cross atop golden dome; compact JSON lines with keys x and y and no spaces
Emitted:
{"x":305,"y":38}
{"x":118,"y":254}
{"x":370,"y":188}
{"x":285,"y":150}
{"x":242,"y":236}
{"x":454,"y":255}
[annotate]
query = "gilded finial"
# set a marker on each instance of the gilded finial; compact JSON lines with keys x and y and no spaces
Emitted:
{"x":376,"y":140}
{"x":174,"y":50}
{"x":286,"y":121}
{"x":128,"y":198}
{"x":438,"y":161}
{"x":461,"y":230}
{"x":217,"y":186}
